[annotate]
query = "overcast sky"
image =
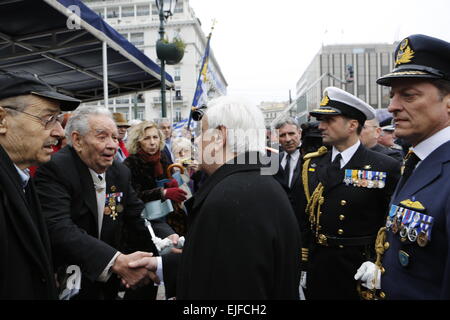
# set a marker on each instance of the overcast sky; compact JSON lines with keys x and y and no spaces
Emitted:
{"x":264,"y":46}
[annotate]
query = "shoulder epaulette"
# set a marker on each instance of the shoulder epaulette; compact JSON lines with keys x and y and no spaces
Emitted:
{"x":321,"y":151}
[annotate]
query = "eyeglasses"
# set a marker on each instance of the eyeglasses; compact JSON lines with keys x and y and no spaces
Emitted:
{"x":48,"y":123}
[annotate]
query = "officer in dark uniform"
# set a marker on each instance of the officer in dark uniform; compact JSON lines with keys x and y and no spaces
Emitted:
{"x":415,"y":240}
{"x":347,"y":190}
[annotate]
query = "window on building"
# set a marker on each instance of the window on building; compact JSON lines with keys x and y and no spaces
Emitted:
{"x":123,"y":100}
{"x":137,"y":38}
{"x":177,"y":74}
{"x":177,"y":115}
{"x":155,"y":11}
{"x":125,"y":35}
{"x":112,"y":12}
{"x":100,"y":12}
{"x":140,"y":114}
{"x":143,"y":10}
{"x":179,"y":8}
{"x":127,"y":11}
{"x":178,"y":96}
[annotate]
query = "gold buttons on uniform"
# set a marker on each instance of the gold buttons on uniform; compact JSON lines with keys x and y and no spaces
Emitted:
{"x":382,"y":295}
{"x":383,"y":270}
{"x":340,"y":231}
{"x":341,"y":246}
{"x":341,"y":217}
{"x":343,"y":202}
{"x":386,"y":245}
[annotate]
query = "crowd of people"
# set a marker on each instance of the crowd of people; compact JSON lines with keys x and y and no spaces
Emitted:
{"x":357,"y":207}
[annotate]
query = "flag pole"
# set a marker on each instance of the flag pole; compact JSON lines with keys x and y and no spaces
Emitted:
{"x":199,"y":82}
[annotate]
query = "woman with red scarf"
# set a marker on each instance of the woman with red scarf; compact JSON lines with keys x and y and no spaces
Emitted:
{"x":148,"y":164}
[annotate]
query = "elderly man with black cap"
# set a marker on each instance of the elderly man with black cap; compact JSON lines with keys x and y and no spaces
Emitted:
{"x":413,"y":259}
{"x":347,"y":190}
{"x":30,"y":124}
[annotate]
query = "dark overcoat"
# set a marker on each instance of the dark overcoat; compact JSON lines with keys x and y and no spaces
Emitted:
{"x":26,"y":270}
{"x":243,"y":241}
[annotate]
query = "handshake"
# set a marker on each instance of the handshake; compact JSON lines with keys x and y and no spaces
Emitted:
{"x":136,"y":269}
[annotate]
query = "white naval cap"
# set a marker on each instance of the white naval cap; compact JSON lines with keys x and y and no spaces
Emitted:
{"x":339,"y":102}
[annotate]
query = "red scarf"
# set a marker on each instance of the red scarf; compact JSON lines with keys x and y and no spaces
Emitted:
{"x":123,"y":148}
{"x":155,"y":160}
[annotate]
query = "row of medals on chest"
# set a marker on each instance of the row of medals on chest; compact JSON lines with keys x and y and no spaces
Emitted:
{"x":365,"y":179}
{"x":410,"y":225}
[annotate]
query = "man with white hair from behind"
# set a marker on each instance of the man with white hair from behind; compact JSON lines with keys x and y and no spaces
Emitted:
{"x":243,"y":241}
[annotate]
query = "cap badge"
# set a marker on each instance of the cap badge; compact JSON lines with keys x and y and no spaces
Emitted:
{"x":405,"y":54}
{"x":324,"y":101}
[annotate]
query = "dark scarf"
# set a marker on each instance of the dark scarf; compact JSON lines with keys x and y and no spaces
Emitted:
{"x":154,"y":160}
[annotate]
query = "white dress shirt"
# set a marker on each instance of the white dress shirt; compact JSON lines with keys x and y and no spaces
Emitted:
{"x":427,"y":146}
{"x":292,"y":164}
{"x":347,"y":154}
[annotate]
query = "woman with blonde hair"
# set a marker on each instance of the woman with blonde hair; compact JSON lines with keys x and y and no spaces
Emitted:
{"x":148,"y":164}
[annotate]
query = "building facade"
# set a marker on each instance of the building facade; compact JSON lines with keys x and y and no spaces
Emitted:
{"x":273,"y":110}
{"x":138,"y":21}
{"x":353,"y":68}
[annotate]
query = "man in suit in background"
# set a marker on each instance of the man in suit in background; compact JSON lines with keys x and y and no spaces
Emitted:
{"x":166,"y":128}
{"x":369,"y":137}
{"x":92,"y":212}
{"x":122,"y":127}
{"x":30,"y":124}
{"x":416,"y":261}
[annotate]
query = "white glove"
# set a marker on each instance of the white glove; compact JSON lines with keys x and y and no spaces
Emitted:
{"x":303,"y":279}
{"x":165,"y":245}
{"x":370,"y":275}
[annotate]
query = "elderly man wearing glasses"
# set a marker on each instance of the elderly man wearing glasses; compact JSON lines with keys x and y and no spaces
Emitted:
{"x":30,"y":124}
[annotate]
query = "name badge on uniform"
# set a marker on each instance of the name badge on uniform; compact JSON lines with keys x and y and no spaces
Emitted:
{"x":365,"y":178}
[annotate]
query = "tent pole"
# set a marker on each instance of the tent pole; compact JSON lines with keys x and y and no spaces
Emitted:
{"x":105,"y":75}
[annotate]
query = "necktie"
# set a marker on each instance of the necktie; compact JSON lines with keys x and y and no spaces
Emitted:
{"x":287,"y":169}
{"x":337,"y":161}
{"x":100,"y":185}
{"x":410,"y":164}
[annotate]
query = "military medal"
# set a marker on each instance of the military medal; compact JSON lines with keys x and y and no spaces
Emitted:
{"x":369,"y":178}
{"x":364,"y":181}
{"x":412,"y":234}
{"x":348,"y":177}
{"x":355,"y":177}
{"x":395,"y":225}
{"x":403,"y":232}
{"x":382,"y":180}
{"x":107,"y":211}
{"x":119,"y":208}
{"x":375,"y":181}
{"x":422,"y":239}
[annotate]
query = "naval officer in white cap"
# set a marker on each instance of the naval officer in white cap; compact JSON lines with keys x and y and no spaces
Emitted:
{"x":347,"y":188}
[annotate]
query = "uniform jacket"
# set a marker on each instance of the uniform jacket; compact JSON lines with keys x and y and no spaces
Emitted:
{"x":26,"y":270}
{"x":69,"y":205}
{"x":395,"y":154}
{"x":347,"y":212}
{"x":427,"y":273}
{"x":243,"y":241}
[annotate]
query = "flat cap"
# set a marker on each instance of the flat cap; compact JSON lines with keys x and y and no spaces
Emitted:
{"x":14,"y":84}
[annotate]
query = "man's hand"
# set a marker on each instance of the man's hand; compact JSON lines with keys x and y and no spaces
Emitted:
{"x":370,"y":275}
{"x":131,"y":277}
{"x":149,"y":263}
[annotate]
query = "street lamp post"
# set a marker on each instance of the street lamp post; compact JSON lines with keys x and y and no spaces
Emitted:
{"x":165,"y":8}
